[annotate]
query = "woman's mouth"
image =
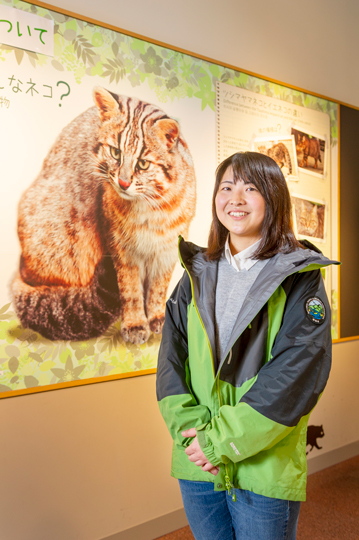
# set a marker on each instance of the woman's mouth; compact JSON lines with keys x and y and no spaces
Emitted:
{"x":238,"y":214}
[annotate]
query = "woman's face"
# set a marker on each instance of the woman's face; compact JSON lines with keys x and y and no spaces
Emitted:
{"x":241,"y":209}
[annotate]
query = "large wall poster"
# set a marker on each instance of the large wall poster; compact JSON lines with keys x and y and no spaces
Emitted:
{"x":108,"y":150}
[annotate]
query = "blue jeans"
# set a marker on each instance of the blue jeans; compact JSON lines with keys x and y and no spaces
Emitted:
{"x":212,"y":515}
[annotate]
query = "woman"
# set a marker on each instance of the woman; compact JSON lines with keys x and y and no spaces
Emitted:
{"x":245,"y":355}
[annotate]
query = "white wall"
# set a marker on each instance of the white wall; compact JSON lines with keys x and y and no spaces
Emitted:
{"x":309,"y":44}
{"x":101,"y":464}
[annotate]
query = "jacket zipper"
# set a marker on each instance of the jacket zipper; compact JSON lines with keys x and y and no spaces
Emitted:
{"x":229,"y":484}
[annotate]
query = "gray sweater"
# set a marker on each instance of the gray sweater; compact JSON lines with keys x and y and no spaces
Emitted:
{"x":232,"y":289}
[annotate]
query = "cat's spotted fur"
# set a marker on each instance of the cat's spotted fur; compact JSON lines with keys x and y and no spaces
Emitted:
{"x":279,"y":152}
{"x":98,"y":228}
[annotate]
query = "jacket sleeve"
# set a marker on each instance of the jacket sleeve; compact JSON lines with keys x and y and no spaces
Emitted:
{"x":177,"y":403}
{"x":286,"y":388}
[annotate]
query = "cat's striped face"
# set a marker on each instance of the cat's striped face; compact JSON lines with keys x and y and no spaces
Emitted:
{"x":139,"y":150}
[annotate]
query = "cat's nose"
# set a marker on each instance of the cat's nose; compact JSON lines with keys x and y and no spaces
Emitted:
{"x":123,"y":184}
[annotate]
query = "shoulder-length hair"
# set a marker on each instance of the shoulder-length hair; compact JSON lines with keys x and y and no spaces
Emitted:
{"x":277,"y":232}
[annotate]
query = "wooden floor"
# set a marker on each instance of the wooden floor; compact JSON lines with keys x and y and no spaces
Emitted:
{"x":331,"y":511}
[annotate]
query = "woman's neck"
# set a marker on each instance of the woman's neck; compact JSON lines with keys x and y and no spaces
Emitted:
{"x":236,"y":245}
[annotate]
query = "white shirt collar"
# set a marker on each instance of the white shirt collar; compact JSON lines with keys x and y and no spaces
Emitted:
{"x":242,"y":260}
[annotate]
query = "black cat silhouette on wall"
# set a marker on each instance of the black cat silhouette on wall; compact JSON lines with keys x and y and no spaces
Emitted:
{"x":314,"y":433}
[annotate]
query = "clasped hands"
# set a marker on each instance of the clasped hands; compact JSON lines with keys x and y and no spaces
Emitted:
{"x":195,"y":454}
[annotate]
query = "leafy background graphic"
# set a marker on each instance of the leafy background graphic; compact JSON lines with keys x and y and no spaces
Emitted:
{"x":27,"y":360}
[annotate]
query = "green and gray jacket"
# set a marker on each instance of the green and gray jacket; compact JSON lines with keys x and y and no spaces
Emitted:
{"x":251,"y":411}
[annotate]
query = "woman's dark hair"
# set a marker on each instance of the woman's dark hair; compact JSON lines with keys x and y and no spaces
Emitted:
{"x":263,"y":172}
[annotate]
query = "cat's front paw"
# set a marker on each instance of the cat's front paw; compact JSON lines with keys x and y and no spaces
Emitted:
{"x":136,"y":334}
{"x":156,"y":324}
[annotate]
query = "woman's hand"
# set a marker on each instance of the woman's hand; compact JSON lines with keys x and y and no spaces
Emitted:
{"x":195,"y":454}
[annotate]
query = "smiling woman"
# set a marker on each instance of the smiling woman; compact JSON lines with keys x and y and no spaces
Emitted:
{"x":243,"y":360}
{"x":263,"y":175}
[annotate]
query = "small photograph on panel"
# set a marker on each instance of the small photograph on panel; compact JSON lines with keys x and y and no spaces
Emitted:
{"x":282,"y":150}
{"x":311,"y":151}
{"x":309,"y":218}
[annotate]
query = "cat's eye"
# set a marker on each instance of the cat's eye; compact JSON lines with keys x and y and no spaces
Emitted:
{"x":115,"y":152}
{"x":143,"y":164}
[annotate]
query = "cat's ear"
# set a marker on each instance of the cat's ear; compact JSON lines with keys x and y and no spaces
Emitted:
{"x":107,"y":104}
{"x":167,"y":130}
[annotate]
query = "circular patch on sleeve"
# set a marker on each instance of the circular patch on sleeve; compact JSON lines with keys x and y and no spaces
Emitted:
{"x":315,"y":310}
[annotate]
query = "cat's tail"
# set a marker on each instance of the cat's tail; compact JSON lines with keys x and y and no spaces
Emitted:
{"x":69,"y":313}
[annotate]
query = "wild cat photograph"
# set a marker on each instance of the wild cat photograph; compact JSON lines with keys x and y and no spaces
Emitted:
{"x":311,"y":151}
{"x":309,"y":218}
{"x":98,"y":227}
{"x":282,"y":150}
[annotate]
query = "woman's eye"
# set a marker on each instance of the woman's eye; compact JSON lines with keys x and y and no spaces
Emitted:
{"x":115,"y":152}
{"x":143,"y":164}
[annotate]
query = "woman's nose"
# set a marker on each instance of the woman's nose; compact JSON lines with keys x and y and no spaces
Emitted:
{"x":237,"y":200}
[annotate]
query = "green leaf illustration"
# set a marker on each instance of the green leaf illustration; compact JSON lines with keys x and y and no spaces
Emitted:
{"x":69,"y":34}
{"x":152,"y":62}
{"x":115,"y":48}
{"x":12,"y":350}
{"x":35,"y":356}
{"x":206,"y":93}
{"x":30,"y":381}
{"x":5,"y":308}
{"x":28,"y":335}
{"x":59,"y":17}
{"x":57,"y":65}
{"x":83,"y":49}
{"x":19,"y":55}
{"x":69,"y":373}
{"x":114,"y":69}
{"x":13,"y":364}
{"x":6,"y":316}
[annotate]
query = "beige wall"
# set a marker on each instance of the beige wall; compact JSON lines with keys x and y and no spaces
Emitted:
{"x":85,"y":463}
{"x":88,"y":462}
{"x":312,"y":44}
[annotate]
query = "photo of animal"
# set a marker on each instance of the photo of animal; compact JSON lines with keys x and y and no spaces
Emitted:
{"x":98,"y":228}
{"x":310,"y":150}
{"x":279,"y":152}
{"x":309,"y":218}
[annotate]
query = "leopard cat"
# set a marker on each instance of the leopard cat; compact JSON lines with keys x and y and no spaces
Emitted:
{"x":279,"y":152}
{"x":98,"y":227}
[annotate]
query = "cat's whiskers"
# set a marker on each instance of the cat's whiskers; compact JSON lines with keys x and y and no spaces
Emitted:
{"x":151,"y":201}
{"x":157,"y":194}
